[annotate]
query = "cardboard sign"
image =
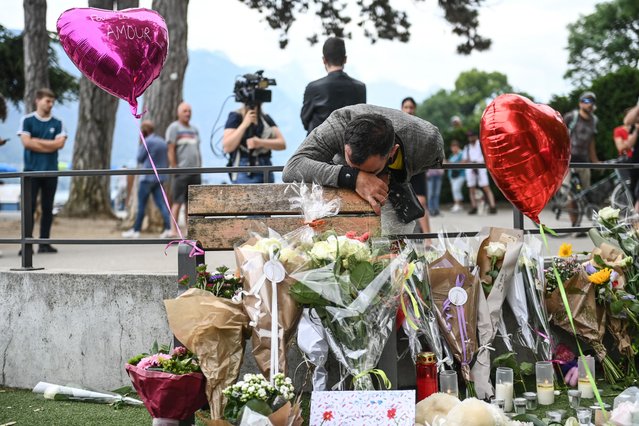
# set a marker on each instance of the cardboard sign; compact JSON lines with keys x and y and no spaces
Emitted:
{"x":357,"y":408}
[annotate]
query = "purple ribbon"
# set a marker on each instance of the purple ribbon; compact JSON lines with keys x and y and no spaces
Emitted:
{"x":195,"y":249}
{"x":461,"y":319}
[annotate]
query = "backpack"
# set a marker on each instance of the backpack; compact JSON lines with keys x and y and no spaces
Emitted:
{"x":574,"y":118}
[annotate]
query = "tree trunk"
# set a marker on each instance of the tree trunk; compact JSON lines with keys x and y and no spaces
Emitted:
{"x":90,"y":196}
{"x":163,"y":96}
{"x":36,"y":51}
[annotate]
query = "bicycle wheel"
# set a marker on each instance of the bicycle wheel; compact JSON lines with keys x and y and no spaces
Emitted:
{"x":622,"y":200}
{"x":565,"y":204}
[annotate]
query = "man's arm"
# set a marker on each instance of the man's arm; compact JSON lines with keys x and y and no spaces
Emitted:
{"x":592,"y":151}
{"x":171,"y":154}
{"x":307,"y":107}
{"x":632,"y":116}
{"x":46,"y":146}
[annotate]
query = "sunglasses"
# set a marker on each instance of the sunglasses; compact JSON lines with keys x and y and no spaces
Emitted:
{"x":587,"y":100}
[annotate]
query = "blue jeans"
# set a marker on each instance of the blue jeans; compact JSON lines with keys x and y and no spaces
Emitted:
{"x":434,"y":184}
{"x":144,"y":191}
{"x":254,"y":177}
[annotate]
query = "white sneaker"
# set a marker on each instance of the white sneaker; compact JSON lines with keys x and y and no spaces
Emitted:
{"x":131,"y":233}
{"x":456,"y":208}
{"x":167,"y":234}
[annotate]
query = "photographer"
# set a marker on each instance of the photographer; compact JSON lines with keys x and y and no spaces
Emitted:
{"x":249,"y":137}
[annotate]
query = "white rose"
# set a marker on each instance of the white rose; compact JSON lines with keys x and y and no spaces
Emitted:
{"x":264,"y":245}
{"x":496,"y":249}
{"x":608,"y":213}
{"x":323,"y":250}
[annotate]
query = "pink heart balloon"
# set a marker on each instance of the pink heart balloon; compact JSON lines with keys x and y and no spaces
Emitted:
{"x":120,"y":51}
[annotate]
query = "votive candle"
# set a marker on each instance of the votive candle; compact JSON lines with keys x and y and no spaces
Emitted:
{"x":545,"y":386}
{"x":504,"y":387}
{"x":583,"y":383}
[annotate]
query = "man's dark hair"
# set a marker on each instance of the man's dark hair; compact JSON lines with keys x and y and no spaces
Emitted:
{"x":368,"y":135}
{"x":408,"y":99}
{"x":334,"y":51}
{"x":44,"y":93}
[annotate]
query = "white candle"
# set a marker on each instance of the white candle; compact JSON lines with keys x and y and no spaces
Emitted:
{"x":545,"y":393}
{"x":586,"y":390}
{"x":505,"y":391}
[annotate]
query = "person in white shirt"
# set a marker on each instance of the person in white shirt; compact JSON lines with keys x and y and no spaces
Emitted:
{"x":477,"y":177}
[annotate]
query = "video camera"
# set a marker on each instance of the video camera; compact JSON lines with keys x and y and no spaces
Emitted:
{"x":251,"y":88}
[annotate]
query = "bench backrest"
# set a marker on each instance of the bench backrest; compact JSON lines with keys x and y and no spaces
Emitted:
{"x":221,"y":216}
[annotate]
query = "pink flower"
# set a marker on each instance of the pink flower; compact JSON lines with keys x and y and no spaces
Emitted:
{"x":179,"y":351}
{"x":391,"y":413}
{"x":152,"y":361}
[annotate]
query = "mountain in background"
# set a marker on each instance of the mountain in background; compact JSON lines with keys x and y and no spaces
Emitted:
{"x":209,"y":81}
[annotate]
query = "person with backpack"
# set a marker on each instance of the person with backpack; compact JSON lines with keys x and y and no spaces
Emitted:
{"x":582,"y":126}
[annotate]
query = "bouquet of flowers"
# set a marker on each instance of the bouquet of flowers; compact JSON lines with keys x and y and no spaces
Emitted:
{"x":455,"y":294}
{"x":530,"y":274}
{"x":256,"y":397}
{"x":589,"y":317}
{"x":212,"y":326}
{"x":254,"y":258}
{"x":417,"y":312}
{"x":170,"y":384}
{"x":497,"y":257}
{"x":354,"y":285}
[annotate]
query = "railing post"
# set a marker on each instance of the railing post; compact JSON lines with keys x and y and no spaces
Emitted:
{"x":518,"y":219}
{"x":26,"y":228}
{"x":267,"y":176}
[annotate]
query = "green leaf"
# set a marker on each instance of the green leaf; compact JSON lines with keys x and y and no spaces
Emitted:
{"x":634,"y":308}
{"x":598,"y":260}
{"x":506,"y":360}
{"x":259,"y":406}
{"x":362,"y":274}
{"x":526,"y":368}
{"x":616,"y":307}
{"x":305,"y":295}
{"x":529,"y":419}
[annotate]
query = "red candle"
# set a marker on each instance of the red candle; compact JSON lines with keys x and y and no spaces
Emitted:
{"x":426,"y":366}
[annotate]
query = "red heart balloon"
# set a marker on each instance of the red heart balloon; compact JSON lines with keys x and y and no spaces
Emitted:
{"x":526,"y":148}
{"x":121,"y":51}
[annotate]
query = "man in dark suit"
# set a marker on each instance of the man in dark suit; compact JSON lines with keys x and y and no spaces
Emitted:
{"x":332,"y":92}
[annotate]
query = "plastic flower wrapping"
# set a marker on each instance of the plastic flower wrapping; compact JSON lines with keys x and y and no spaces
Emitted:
{"x":170,"y":384}
{"x":497,"y":256}
{"x":354,"y":287}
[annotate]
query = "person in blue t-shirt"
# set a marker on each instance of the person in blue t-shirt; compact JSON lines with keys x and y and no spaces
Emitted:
{"x":149,"y":184}
{"x":42,"y":136}
{"x":249,"y":142}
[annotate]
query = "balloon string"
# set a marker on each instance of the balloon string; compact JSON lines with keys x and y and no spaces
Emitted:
{"x":196,"y":250}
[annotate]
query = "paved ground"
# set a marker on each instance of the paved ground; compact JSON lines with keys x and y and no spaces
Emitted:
{"x":151,"y":258}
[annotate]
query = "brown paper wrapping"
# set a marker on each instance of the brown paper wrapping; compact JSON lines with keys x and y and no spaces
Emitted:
{"x":490,"y":307}
{"x":442,"y":275}
{"x":258,"y":310}
{"x":618,"y":328}
{"x":288,"y":415}
{"x":589,"y":317}
{"x":212,"y":328}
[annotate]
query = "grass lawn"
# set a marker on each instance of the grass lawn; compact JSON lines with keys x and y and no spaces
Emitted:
{"x":26,"y":408}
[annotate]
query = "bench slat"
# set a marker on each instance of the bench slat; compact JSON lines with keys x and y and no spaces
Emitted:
{"x":217,"y":233}
{"x":267,"y":199}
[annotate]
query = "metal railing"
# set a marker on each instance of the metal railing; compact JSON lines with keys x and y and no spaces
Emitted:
{"x":26,"y":217}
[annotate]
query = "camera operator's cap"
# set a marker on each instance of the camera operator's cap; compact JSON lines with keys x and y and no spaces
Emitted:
{"x":588,"y":97}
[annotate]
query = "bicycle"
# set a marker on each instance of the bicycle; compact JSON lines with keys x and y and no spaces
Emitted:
{"x":577,"y":202}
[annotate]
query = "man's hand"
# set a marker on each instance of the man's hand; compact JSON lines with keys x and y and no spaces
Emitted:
{"x":253,"y":143}
{"x":372,"y":189}
{"x":249,"y":118}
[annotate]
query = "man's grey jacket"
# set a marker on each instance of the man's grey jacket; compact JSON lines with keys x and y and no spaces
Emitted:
{"x":320,"y":158}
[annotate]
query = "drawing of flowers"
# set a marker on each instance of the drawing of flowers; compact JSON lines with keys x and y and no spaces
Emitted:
{"x":327,"y":416}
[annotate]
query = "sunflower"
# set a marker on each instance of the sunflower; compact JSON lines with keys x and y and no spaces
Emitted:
{"x":601,"y":276}
{"x":565,"y":250}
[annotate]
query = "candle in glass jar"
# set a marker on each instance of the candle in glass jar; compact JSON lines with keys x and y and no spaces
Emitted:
{"x":583,"y":383}
{"x":448,"y":382}
{"x":426,"y":369}
{"x":504,"y":387}
{"x":586,"y":390}
{"x":545,"y":393}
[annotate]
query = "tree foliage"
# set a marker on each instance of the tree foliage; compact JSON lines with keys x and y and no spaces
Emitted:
{"x":12,"y":84}
{"x":613,"y":98}
{"x":474,"y":89}
{"x":378,"y":19}
{"x":603,"y":41}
